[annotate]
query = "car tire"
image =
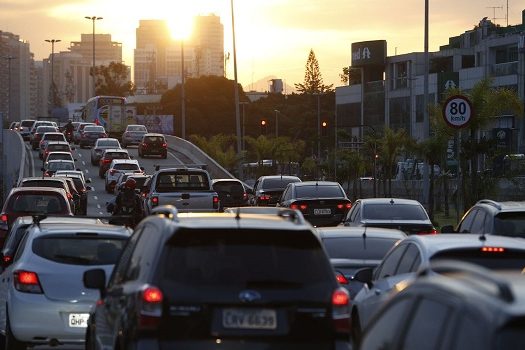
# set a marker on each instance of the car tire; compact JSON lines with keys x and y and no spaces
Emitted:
{"x":11,"y":342}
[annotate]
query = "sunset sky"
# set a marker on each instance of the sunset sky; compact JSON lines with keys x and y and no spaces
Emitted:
{"x":273,"y":36}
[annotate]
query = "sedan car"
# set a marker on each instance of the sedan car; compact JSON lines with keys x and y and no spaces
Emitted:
{"x":59,"y":155}
{"x":153,"y":144}
{"x":48,"y":137}
{"x":323,"y":203}
{"x":43,"y":300}
{"x":100,"y":146}
{"x":107,"y":157}
{"x":35,"y":138}
{"x":117,"y":167}
{"x":133,"y":134}
{"x":52,"y":166}
{"x":78,"y":131}
{"x":90,"y":134}
{"x":268,"y":189}
{"x":55,"y":146}
{"x":407,"y":215}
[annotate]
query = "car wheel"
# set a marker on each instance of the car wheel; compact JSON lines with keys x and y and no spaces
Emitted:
{"x":11,"y":342}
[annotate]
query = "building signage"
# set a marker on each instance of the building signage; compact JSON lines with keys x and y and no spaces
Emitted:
{"x":446,"y":81}
{"x":367,"y":53}
{"x":457,"y":111}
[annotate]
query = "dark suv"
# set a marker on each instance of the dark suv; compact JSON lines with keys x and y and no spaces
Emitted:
{"x":153,"y":144}
{"x":232,"y":281}
{"x":463,"y":307}
{"x":488,"y":216}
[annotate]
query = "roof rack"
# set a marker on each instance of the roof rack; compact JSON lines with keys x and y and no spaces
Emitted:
{"x":471,"y":270}
{"x":490,"y":202}
{"x":167,"y":211}
{"x":180,"y":166}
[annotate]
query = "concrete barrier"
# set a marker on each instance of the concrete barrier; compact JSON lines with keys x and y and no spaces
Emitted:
{"x":16,"y":162}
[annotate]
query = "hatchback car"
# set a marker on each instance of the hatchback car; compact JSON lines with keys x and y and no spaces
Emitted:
{"x":107,"y":157}
{"x":53,"y":183}
{"x":78,"y":131}
{"x":117,"y":167}
{"x":100,"y":146}
{"x":39,"y":123}
{"x":52,"y":166}
{"x":25,"y":128}
{"x":268,"y":189}
{"x":90,"y":134}
{"x":323,"y":203}
{"x":231,"y":192}
{"x":407,"y":215}
{"x":246,"y":282}
{"x":43,"y":300}
{"x":37,"y":136}
{"x":133,"y":134}
{"x":80,"y":186}
{"x":55,"y":146}
{"x":153,"y":144}
{"x":48,"y":137}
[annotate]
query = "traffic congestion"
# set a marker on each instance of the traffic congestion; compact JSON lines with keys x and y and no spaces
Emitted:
{"x":127,"y":250}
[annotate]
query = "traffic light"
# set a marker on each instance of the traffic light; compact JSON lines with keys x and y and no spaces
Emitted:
{"x":324,"y":128}
{"x":264,"y":125}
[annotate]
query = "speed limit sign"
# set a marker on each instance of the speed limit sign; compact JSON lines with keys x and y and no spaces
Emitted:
{"x":457,"y":111}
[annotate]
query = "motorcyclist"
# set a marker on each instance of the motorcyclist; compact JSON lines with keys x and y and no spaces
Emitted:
{"x":69,"y":128}
{"x":128,"y":204}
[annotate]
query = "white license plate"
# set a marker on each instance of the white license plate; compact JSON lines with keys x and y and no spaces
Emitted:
{"x":322,"y":211}
{"x":249,"y":319}
{"x":78,"y":320}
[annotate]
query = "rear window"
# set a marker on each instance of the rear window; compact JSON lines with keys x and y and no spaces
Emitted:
{"x":26,"y":123}
{"x":318,"y":191}
{"x":394,"y":212}
{"x":140,"y":181}
{"x":256,"y":259}
{"x":94,"y":129}
{"x":277,"y":183}
{"x":116,"y":155}
{"x":509,"y":259}
{"x":59,"y":156}
{"x":137,"y":128}
{"x":79,"y":250}
{"x":153,"y":139}
{"x":61,"y":166}
{"x":510,"y":224}
{"x":59,"y":148}
{"x":358,"y":248}
{"x":54,"y":137}
{"x":228,"y":187}
{"x":35,"y":203}
{"x":168,"y":182}
{"x":43,"y":183}
{"x":125,"y":166}
{"x":108,"y":143}
{"x":44,"y":129}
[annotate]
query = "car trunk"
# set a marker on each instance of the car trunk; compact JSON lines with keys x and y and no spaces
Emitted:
{"x":410,"y":227}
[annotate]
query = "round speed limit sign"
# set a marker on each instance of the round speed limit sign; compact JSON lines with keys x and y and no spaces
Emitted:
{"x":457,"y":111}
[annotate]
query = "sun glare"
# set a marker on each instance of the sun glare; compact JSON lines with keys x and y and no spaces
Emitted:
{"x":181,"y":27}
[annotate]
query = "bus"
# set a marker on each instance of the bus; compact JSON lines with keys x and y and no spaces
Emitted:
{"x":108,"y":111}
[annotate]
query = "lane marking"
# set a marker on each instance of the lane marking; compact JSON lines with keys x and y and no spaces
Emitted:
{"x":95,"y":198}
{"x":87,"y":171}
{"x":98,"y":206}
{"x":83,"y":163}
{"x":175,"y":157}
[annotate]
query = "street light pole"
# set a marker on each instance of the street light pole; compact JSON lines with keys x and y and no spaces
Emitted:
{"x":276,"y":123}
{"x":426,"y":122}
{"x":236,"y":91}
{"x":243,"y":125}
{"x":93,"y":19}
{"x":182,"y":91}
{"x":52,"y":41}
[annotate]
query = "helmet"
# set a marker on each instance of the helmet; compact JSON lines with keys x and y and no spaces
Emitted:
{"x":131,"y":184}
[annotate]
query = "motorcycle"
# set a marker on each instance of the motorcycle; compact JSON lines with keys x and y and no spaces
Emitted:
{"x":69,"y":136}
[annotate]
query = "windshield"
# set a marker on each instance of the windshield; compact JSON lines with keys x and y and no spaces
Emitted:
{"x":37,"y":203}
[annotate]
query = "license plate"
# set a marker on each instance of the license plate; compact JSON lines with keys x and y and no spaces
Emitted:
{"x":78,"y":320}
{"x":322,"y":211}
{"x":249,"y":319}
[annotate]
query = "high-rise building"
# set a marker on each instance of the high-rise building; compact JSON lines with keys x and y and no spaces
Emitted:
{"x":106,"y":51}
{"x":208,"y":39}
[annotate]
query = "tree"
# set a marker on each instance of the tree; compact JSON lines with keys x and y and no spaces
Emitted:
{"x":112,"y":80}
{"x":313,"y":81}
{"x":350,"y":76}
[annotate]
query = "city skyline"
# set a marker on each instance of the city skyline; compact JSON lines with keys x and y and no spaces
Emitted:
{"x":273,"y":37}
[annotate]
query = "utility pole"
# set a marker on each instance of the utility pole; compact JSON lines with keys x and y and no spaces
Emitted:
{"x":182,"y":91}
{"x":236,"y":91}
{"x":426,"y":121}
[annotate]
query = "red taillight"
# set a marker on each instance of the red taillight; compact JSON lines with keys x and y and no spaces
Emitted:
{"x":245,"y":196}
{"x":4,"y":218}
{"x":299,"y":206}
{"x":264,"y":197}
{"x":27,"y":282}
{"x":106,"y":161}
{"x":341,"y":310}
{"x":144,"y":145}
{"x":432,"y":231}
{"x":154,"y":201}
{"x":152,"y":295}
{"x":493,"y":249}
{"x":344,"y":206}
{"x":164,"y":145}
{"x":341,"y":278}
{"x":6,"y":259}
{"x":69,"y":195}
{"x":150,"y":308}
{"x":215,"y":202}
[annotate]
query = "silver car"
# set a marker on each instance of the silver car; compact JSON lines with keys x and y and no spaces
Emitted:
{"x":133,"y":134}
{"x":101,"y":145}
{"x":42,"y":297}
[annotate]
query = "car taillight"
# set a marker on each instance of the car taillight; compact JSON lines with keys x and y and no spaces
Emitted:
{"x":264,"y":197}
{"x":299,"y":206}
{"x":493,"y":250}
{"x":150,"y":308}
{"x":245,"y":196}
{"x":344,"y":206}
{"x":341,"y":310}
{"x":341,"y":278}
{"x":4,"y":218}
{"x":69,"y":196}
{"x":432,"y":231}
{"x":164,"y":145}
{"x":106,"y":161}
{"x":154,"y":201}
{"x":27,"y":282}
{"x":215,"y":202}
{"x":6,"y":259}
{"x":144,"y":145}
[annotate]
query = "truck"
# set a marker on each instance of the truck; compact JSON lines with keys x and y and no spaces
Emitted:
{"x":108,"y":111}
{"x":189,"y":189}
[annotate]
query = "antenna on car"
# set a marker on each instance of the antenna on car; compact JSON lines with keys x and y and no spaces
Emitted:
{"x":482,"y":237}
{"x":391,"y":200}
{"x":364,"y":238}
{"x":238,"y":214}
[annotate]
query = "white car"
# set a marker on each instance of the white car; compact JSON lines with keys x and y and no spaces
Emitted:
{"x":59,"y":155}
{"x":119,"y":166}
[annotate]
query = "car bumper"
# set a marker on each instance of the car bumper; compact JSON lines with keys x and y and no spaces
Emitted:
{"x":242,"y":344}
{"x":324,"y":221}
{"x":36,"y":319}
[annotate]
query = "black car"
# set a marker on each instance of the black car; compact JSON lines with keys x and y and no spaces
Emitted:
{"x":231,"y":192}
{"x":323,"y":203}
{"x":241,"y":281}
{"x":81,"y":188}
{"x":268,"y":189}
{"x":153,"y":144}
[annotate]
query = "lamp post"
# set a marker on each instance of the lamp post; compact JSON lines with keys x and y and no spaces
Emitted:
{"x":243,"y":125}
{"x":4,"y":151}
{"x":93,"y":19}
{"x":318,"y":125}
{"x":52,"y":41}
{"x":182,"y":91}
{"x":375,"y":153}
{"x":236,"y":91}
{"x":276,"y":123}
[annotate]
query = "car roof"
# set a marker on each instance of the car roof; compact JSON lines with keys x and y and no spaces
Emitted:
{"x":35,"y":178}
{"x":369,"y":232}
{"x":54,"y":133}
{"x":66,"y":227}
{"x":388,"y":201}
{"x":314,"y":183}
{"x":225,"y":180}
{"x":153,"y":134}
{"x":107,"y":139}
{"x":59,"y":152}
{"x":506,"y":206}
{"x":57,"y":143}
{"x":278,"y":177}
{"x":119,"y":150}
{"x":60,"y":161}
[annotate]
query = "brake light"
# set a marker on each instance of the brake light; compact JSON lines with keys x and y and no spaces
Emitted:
{"x":299,"y":206}
{"x":69,"y":196}
{"x":345,"y":206}
{"x":164,"y":145}
{"x":152,"y":295}
{"x":264,"y":197}
{"x":27,"y":282}
{"x":493,"y":250}
{"x":154,"y":201}
{"x":245,"y":196}
{"x":6,"y":259}
{"x":144,"y":145}
{"x":341,"y":278}
{"x":4,"y":218}
{"x":215,"y":202}
{"x":106,"y":161}
{"x":432,"y":231}
{"x":150,"y":308}
{"x":341,"y":310}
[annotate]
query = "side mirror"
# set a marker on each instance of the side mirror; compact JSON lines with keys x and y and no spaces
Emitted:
{"x":448,"y":229}
{"x":364,"y":275}
{"x":95,"y":279}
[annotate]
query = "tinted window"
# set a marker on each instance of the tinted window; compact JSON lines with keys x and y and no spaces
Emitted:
{"x":61,"y":166}
{"x":43,"y":183}
{"x":255,"y":259}
{"x":407,"y":263}
{"x":152,"y":139}
{"x":140,"y":181}
{"x":228,"y":187}
{"x":58,"y":148}
{"x":44,"y":129}
{"x":478,"y":225}
{"x":467,"y":222}
{"x":511,"y":259}
{"x":167,"y":182}
{"x":126,"y":166}
{"x":137,"y":128}
{"x":510,"y":224}
{"x":108,"y":143}
{"x":75,"y":250}
{"x":94,"y":129}
{"x":26,"y":123}
{"x":389,"y":265}
{"x":423,"y":334}
{"x":394,"y":212}
{"x":116,"y":155}
{"x":277,"y":183}
{"x":54,"y":137}
{"x":14,"y":238}
{"x":30,"y":203}
{"x":59,"y":156}
{"x":318,"y":191}
{"x":358,"y":248}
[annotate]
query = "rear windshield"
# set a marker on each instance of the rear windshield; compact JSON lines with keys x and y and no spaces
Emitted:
{"x":79,"y":250}
{"x":318,"y":191}
{"x":510,"y":224}
{"x":509,"y":259}
{"x":94,"y":129}
{"x":64,"y":148}
{"x":126,"y":166}
{"x":168,"y":182}
{"x":116,"y":155}
{"x":36,"y":203}
{"x":54,"y":137}
{"x":358,"y":248}
{"x":277,"y":183}
{"x":137,"y":128}
{"x":44,"y":129}
{"x":59,"y":156}
{"x":228,"y":187}
{"x":61,"y":166}
{"x":394,"y":212}
{"x":108,"y":143}
{"x":43,"y":183}
{"x":245,"y":259}
{"x":140,"y":181}
{"x":27,"y":123}
{"x":153,"y":139}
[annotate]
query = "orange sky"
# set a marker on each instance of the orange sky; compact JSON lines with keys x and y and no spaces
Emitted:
{"x":273,"y":36}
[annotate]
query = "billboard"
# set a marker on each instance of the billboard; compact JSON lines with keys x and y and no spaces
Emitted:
{"x":162,"y":124}
{"x":369,"y":53}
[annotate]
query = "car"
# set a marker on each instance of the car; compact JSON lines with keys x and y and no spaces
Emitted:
{"x":60,"y":155}
{"x":56,"y":146}
{"x":231,"y":192}
{"x":100,"y":146}
{"x":407,"y":215}
{"x":15,"y":126}
{"x":248,"y":281}
{"x":53,"y":183}
{"x":354,"y":248}
{"x":489,"y":216}
{"x":47,"y":137}
{"x":23,"y":201}
{"x":78,"y":131}
{"x":80,"y":186}
{"x":36,"y":137}
{"x":42,"y":123}
{"x":90,"y":134}
{"x":78,"y":173}
{"x":107,"y":156}
{"x":323,"y":203}
{"x":268,"y":189}
{"x":263,"y":211}
{"x":153,"y":144}
{"x":140,"y":180}
{"x":43,"y":300}
{"x":400,"y":265}
{"x":25,"y":128}
{"x":118,"y":166}
{"x":471,"y":307}
{"x":52,"y":166}
{"x":133,"y":134}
